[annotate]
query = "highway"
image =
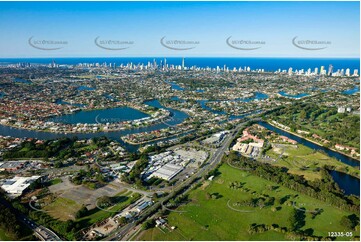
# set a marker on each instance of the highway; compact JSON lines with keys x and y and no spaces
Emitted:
{"x":213,"y":161}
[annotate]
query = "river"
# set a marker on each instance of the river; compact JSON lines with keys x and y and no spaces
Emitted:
{"x":177,"y":118}
{"x":348,"y":183}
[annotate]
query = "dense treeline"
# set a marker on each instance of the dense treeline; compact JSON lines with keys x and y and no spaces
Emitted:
{"x":324,"y":189}
{"x":8,"y":222}
{"x":62,"y":148}
{"x":301,"y":235}
{"x":134,"y":176}
{"x":92,"y":177}
{"x":343,"y":128}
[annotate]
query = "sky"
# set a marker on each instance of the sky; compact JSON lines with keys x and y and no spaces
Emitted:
{"x":136,"y":29}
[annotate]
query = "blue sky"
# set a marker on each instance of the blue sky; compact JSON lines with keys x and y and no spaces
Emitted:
{"x":207,"y":23}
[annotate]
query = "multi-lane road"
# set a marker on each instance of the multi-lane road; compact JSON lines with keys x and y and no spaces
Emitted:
{"x":213,"y":161}
{"x":46,"y":234}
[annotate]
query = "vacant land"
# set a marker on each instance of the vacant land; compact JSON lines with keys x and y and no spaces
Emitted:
{"x":65,"y":209}
{"x":62,"y":208}
{"x":217,"y":212}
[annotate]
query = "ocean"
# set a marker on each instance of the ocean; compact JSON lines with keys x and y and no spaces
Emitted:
{"x":268,"y":64}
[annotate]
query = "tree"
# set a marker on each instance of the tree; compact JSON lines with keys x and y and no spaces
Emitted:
{"x":350,"y":222}
{"x":58,"y":164}
{"x":100,"y":178}
{"x":105,"y":201}
{"x":81,"y":212}
{"x":35,"y":185}
{"x":297,"y":219}
{"x":148,"y":224}
{"x":122,"y":220}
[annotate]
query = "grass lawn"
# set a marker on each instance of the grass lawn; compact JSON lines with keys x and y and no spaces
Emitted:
{"x":25,"y":149}
{"x":303,"y":160}
{"x":62,"y":208}
{"x":211,"y":218}
{"x":90,"y":147}
{"x":55,"y":181}
{"x":121,"y":192}
{"x":157,"y":234}
{"x":5,"y":237}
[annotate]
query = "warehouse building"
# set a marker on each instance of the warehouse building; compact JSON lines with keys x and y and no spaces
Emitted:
{"x":167,"y":172}
{"x":17,"y":185}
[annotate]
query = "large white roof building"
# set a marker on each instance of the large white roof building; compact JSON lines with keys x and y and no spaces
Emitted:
{"x":17,"y":185}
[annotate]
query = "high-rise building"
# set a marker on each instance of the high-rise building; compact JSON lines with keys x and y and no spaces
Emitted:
{"x":53,"y":64}
{"x":347,"y":72}
{"x":316,"y":71}
{"x":322,"y":69}
{"x":290,"y":71}
{"x":183,"y":63}
{"x":330,"y":69}
{"x":355,"y":72}
{"x":342,"y":73}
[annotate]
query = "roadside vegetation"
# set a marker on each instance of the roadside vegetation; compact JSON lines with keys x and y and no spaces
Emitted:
{"x":253,"y":201}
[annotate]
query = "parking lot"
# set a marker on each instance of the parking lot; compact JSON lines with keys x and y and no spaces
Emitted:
{"x":83,"y":195}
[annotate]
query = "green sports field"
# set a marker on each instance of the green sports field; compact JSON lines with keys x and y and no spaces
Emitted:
{"x":206,"y":218}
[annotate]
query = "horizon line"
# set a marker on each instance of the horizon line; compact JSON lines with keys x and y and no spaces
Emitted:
{"x":190,"y":57}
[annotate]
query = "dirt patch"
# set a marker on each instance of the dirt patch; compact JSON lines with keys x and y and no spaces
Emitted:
{"x":280,"y":151}
{"x":219,"y":181}
{"x":205,"y":185}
